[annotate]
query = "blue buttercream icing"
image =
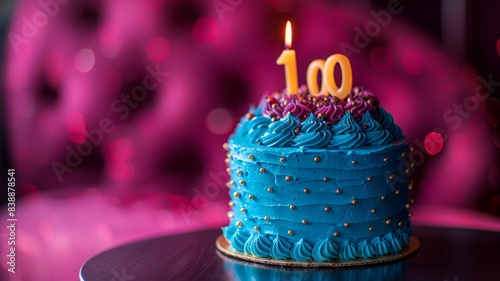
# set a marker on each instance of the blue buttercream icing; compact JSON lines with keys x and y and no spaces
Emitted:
{"x":258,"y":245}
{"x":393,"y":243}
{"x":347,"y":251}
{"x":301,"y":251}
{"x":388,"y":123}
{"x":280,"y":133}
{"x":375,"y":135}
{"x":347,"y":134}
{"x":257,"y":127}
{"x":280,"y":248}
{"x":366,"y":250}
{"x":239,"y":239}
{"x":314,"y":133}
{"x":325,"y":250}
{"x":380,"y":246}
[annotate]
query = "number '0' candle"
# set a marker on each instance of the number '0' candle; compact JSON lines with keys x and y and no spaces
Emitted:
{"x":287,"y":58}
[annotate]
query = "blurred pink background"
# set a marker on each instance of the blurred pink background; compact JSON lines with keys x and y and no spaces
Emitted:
{"x":115,"y":112}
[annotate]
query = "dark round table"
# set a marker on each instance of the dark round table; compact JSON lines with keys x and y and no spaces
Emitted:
{"x":445,"y":254}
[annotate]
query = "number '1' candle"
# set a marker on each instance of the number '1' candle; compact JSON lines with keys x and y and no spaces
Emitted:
{"x":287,"y":58}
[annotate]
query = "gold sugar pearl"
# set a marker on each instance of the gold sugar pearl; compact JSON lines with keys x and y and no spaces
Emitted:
{"x":225,"y":146}
{"x":230,"y":203}
{"x":288,"y":178}
{"x":346,"y":224}
{"x":412,"y":165}
{"x":262,"y":170}
{"x":228,"y":155}
{"x":306,"y":190}
{"x":256,"y":228}
{"x":251,"y":156}
{"x":269,"y":190}
{"x":354,"y":201}
{"x":353,"y":162}
{"x":410,"y":214}
{"x":297,"y":130}
{"x":336,"y":234}
{"x":274,"y":119}
{"x":228,"y":184}
{"x":239,"y":172}
{"x":397,"y":192}
{"x":243,"y":210}
{"x":250,"y":196}
{"x":266,"y":218}
{"x":338,"y":191}
{"x":370,"y":228}
{"x":412,"y":148}
{"x":410,"y":186}
{"x":250,"y":116}
{"x":227,"y":161}
{"x":403,"y":154}
{"x":327,"y":209}
{"x":407,"y":171}
{"x":304,"y":221}
{"x":282,"y":159}
{"x":236,"y":194}
{"x":239,"y":223}
{"x":400,"y":224}
{"x":228,"y":170}
{"x":290,"y":232}
{"x":387,"y":221}
{"x":382,"y":197}
{"x":385,"y":159}
{"x":230,"y":214}
{"x":320,"y":116}
{"x":412,"y":201}
{"x":373,"y":211}
{"x":292,"y":207}
{"x":369,"y":179}
{"x":391,"y":177}
{"x":325,"y":178}
{"x":242,"y":182}
{"x":316,"y":159}
{"x":407,"y":206}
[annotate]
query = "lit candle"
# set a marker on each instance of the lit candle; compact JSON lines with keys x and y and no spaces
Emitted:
{"x":287,"y":58}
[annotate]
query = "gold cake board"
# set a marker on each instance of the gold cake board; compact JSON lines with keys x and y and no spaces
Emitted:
{"x":224,"y":247}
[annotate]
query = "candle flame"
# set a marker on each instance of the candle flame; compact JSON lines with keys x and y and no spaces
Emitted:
{"x":288,"y":35}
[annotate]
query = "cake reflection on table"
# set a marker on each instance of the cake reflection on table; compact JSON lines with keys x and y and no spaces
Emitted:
{"x":241,"y":270}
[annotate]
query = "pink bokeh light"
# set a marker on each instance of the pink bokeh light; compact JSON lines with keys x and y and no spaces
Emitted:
{"x":157,"y":49}
{"x":77,"y":130}
{"x":413,"y":62}
{"x":498,"y":47}
{"x":205,"y":29}
{"x":433,"y":143}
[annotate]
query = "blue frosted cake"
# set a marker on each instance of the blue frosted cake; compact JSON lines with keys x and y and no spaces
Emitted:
{"x":318,"y":178}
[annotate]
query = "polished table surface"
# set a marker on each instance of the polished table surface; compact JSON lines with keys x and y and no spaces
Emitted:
{"x":445,"y":254}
